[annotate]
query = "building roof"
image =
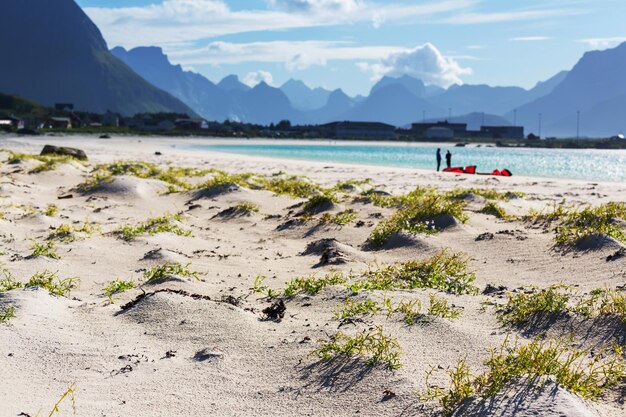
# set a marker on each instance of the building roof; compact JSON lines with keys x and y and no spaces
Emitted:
{"x":445,"y":124}
{"x":369,"y":125}
{"x":501,"y":127}
{"x":189,"y":120}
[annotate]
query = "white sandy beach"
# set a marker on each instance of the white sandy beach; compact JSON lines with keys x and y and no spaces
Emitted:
{"x":174,"y":354}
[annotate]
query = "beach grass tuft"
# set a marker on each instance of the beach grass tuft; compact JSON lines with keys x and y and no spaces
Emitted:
{"x":488,"y":194}
{"x":170,"y":269}
{"x":440,"y":307}
{"x":373,"y":345}
{"x":51,"y":282}
{"x":319,"y":202}
{"x":561,"y":300}
{"x":94,"y":182}
{"x":494,"y":209}
{"x":45,"y":249}
{"x":247,"y":208}
{"x":603,"y":303}
{"x":523,"y":306}
{"x":352,"y":308}
{"x":51,"y":210}
{"x":118,"y":286}
{"x":294,"y":186}
{"x":580,"y":224}
{"x":163,"y":224}
{"x":66,"y":233}
{"x":69,"y":393}
{"x":384,"y":200}
{"x":312,"y":285}
{"x":573,"y":225}
{"x":445,"y":271}
{"x":583,"y":372}
{"x":349,"y":185}
{"x":549,"y":214}
{"x":418,"y":216}
{"x":259,"y":287}
{"x":411,"y":310}
{"x":8,"y":282}
{"x":48,"y":162}
{"x":7,"y":314}
{"x":340,"y":219}
{"x":221,"y":178}
{"x":175,"y":177}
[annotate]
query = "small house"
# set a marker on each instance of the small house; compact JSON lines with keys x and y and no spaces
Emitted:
{"x":110,"y":119}
{"x":191,"y":124}
{"x":502,"y":132}
{"x":11,"y":123}
{"x":57,"y":123}
{"x":439,"y":133}
{"x":458,"y":129}
{"x":360,"y":130}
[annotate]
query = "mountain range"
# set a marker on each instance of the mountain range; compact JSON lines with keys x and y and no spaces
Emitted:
{"x":595,"y":87}
{"x":53,"y":53}
{"x":398,"y":101}
{"x":62,"y":57}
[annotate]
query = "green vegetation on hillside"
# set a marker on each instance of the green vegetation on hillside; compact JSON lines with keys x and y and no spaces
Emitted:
{"x":15,"y":105}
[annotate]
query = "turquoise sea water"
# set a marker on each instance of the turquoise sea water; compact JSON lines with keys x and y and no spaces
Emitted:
{"x":592,"y":165}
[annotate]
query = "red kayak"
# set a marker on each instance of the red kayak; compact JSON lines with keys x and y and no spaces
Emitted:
{"x":472,"y":170}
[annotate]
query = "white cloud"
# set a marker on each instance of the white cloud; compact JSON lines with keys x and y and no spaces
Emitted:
{"x":176,"y":22}
{"x":304,"y":60}
{"x":530,"y":39}
{"x":425,"y":62}
{"x":189,"y":7}
{"x":377,"y":20}
{"x":256,"y":77}
{"x":475,"y":18}
{"x":179,"y":22}
{"x":599,"y":43}
{"x":317,"y":5}
{"x":295,"y":55}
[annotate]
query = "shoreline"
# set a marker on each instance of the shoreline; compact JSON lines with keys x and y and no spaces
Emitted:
{"x":141,"y":145}
{"x":609,"y":143}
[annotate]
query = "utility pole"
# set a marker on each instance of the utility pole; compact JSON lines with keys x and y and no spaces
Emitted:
{"x":539,"y":126}
{"x":578,"y":124}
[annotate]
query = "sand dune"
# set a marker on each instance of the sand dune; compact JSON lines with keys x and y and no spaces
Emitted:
{"x":194,"y":339}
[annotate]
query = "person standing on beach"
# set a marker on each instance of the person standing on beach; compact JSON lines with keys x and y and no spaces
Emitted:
{"x":449,"y":159}
{"x":438,"y":159}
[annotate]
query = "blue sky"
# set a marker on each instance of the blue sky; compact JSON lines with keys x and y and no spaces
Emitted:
{"x":349,"y":44}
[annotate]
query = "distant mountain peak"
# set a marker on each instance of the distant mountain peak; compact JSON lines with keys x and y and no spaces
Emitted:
{"x":303,"y":97}
{"x":148,"y":55}
{"x":232,"y":83}
{"x":295,"y":83}
{"x":338,"y":93}
{"x":411,"y":84}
